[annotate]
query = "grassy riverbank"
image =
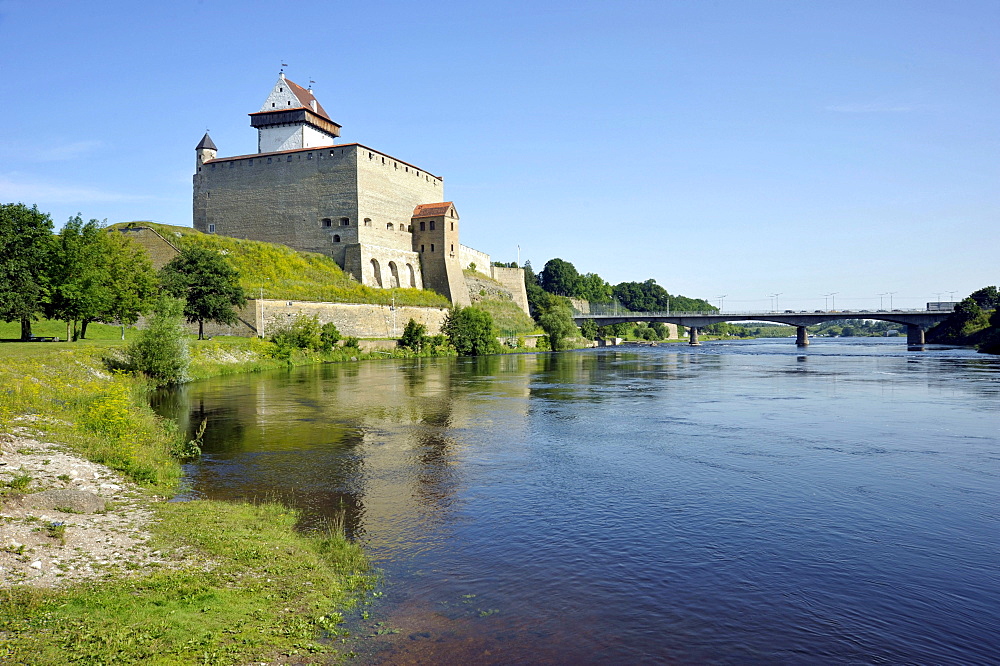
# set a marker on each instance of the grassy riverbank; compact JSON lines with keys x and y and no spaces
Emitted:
{"x":232,"y":583}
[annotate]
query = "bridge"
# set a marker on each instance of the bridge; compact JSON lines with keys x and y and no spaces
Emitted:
{"x":916,"y":321}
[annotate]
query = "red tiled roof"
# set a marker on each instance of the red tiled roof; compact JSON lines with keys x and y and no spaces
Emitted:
{"x":432,"y":210}
{"x":307,"y":98}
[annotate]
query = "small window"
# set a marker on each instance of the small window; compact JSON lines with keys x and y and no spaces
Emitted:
{"x":407,"y":169}
{"x":389,"y":226}
{"x":453,"y":247}
{"x":421,"y":248}
{"x":273,"y":105}
{"x":421,"y":225}
{"x":327,"y":222}
{"x":371,"y":156}
{"x":452,"y":226}
{"x":288,"y":159}
{"x":345,"y":221}
{"x":250,"y":163}
{"x":432,"y":225}
{"x":368,"y":221}
{"x":289,"y":102}
{"x":432,"y":247}
{"x":213,"y":167}
{"x":230,"y":165}
{"x":281,"y":90}
{"x":310,"y":156}
{"x":336,"y":238}
{"x":268,"y":160}
{"x":211,"y":228}
{"x":383,"y":160}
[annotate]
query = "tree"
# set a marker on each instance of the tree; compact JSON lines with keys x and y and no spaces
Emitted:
{"x":208,"y":284}
{"x":588,"y":329}
{"x":414,"y":336}
{"x":132,"y":285}
{"x":160,"y":352}
{"x":557,"y":322}
{"x":25,"y":241}
{"x":592,"y":287}
{"x":79,"y":283}
{"x":559,"y":277}
{"x":471,"y":331}
{"x":988,"y":298}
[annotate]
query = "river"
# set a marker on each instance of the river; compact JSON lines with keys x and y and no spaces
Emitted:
{"x":743,"y":502}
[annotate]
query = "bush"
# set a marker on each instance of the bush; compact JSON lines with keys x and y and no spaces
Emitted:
{"x":304,"y":332}
{"x":558,"y":325}
{"x":161,"y":351}
{"x":329,"y":335}
{"x":471,"y":331}
{"x":414,"y":336}
{"x":352,"y":342}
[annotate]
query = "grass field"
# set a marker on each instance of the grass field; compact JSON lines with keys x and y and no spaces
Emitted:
{"x":283,"y":273}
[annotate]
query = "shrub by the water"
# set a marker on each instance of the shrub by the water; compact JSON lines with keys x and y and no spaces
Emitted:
{"x":471,"y":331}
{"x":161,"y":351}
{"x":414,"y":336}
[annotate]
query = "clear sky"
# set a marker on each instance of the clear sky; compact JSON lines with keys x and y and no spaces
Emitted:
{"x":743,"y":147}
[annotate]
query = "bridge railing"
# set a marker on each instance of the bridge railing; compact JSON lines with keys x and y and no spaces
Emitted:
{"x":605,"y":310}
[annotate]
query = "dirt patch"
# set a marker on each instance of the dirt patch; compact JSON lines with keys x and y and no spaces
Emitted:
{"x":54,"y":546}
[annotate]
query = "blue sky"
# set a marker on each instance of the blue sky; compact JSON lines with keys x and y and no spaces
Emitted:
{"x":742,"y":147}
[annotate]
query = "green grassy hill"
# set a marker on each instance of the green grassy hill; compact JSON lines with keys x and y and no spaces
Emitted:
{"x":284,"y":273}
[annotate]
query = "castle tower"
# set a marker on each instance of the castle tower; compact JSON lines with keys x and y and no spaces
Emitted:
{"x":205,"y":151}
{"x":435,"y":240}
{"x":292,"y":119}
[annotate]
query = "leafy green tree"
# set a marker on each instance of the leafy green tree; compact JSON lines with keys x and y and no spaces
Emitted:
{"x":592,"y":287}
{"x":414,"y":336}
{"x":987,"y":298}
{"x":557,"y":322}
{"x":160,"y":352}
{"x":559,"y":277}
{"x":648,"y":296}
{"x":537,"y":297}
{"x":79,"y":282}
{"x":330,"y":335}
{"x":25,"y":241}
{"x":131,"y":281}
{"x":588,"y":329}
{"x":208,"y":284}
{"x":471,"y":331}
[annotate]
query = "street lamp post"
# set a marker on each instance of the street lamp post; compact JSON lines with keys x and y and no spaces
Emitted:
{"x":775,"y":297}
{"x":832,"y":296}
{"x":880,"y":296}
{"x":890,"y":293}
{"x":722,"y":301}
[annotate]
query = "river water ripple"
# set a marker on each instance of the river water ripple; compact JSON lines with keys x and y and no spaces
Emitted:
{"x":741,"y":502}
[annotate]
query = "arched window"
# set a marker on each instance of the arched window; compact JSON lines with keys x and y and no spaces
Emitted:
{"x":336,"y":238}
{"x":393,"y":275}
{"x":376,"y":273}
{"x":327,"y":222}
{"x":412,"y":276}
{"x":345,"y":221}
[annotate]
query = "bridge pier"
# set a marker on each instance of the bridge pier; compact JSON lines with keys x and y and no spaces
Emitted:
{"x":693,"y":336}
{"x":914,"y":335}
{"x":801,"y":336}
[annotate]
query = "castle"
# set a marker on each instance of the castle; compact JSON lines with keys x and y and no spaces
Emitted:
{"x":383,"y":220}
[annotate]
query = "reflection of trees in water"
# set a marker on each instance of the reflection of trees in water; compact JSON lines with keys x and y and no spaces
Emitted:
{"x":437,"y":480}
